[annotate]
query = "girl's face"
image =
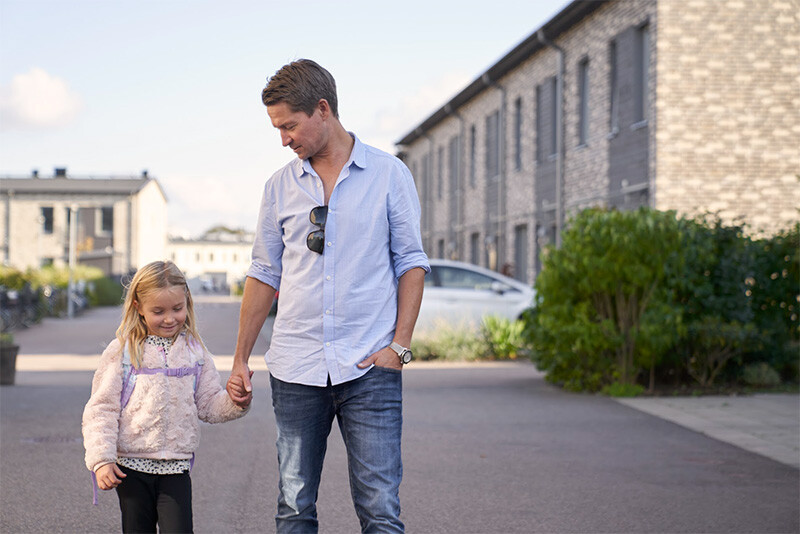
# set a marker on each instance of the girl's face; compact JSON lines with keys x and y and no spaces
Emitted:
{"x":164,"y":311}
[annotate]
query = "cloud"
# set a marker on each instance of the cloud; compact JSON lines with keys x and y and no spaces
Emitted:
{"x":398,"y":118}
{"x":37,"y":99}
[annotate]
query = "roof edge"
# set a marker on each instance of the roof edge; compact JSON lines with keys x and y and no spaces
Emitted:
{"x":561,"y":22}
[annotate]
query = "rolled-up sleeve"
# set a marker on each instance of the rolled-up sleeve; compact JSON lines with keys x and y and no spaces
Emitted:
{"x":404,"y":224}
{"x":268,"y":244}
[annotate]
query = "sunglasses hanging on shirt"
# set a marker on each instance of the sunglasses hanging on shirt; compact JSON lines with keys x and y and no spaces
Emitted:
{"x":315,"y":241}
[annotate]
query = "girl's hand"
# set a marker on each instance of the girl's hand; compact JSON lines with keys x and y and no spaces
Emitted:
{"x":109,"y":476}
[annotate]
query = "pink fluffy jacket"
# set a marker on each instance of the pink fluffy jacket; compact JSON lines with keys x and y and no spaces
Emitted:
{"x":161,"y":418}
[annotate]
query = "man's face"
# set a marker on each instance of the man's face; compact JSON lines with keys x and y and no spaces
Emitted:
{"x":303,"y":134}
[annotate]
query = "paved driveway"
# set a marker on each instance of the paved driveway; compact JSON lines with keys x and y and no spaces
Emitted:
{"x":487,"y":449}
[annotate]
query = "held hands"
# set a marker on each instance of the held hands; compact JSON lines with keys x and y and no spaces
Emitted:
{"x":109,"y":476}
{"x":385,"y":357}
{"x":239,"y":387}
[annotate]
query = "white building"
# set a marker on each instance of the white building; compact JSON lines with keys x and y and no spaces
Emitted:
{"x":120,"y":225}
{"x":214,"y":262}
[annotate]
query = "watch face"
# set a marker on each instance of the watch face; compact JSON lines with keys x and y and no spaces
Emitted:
{"x":406,"y":356}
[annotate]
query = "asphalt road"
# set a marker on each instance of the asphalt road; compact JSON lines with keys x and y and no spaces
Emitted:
{"x":487,"y":449}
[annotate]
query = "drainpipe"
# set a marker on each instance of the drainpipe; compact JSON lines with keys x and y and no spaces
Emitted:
{"x":559,"y":135}
{"x":459,"y":183}
{"x":502,"y":155}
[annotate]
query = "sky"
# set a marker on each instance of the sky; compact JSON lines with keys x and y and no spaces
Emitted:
{"x":113,"y":88}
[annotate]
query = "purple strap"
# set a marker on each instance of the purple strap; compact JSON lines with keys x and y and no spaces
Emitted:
{"x":169,"y":371}
{"x":94,"y":488}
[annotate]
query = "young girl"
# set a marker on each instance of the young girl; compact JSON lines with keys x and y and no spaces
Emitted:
{"x":140,"y":426}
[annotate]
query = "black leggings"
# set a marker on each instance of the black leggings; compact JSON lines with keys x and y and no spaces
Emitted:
{"x":146,"y":500}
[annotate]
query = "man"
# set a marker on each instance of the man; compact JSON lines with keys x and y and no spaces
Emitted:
{"x":338,"y":234}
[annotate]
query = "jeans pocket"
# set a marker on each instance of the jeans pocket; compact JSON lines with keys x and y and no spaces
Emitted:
{"x":387,"y":369}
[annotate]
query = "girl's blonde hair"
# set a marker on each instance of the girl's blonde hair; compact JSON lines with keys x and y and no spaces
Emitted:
{"x":148,"y":280}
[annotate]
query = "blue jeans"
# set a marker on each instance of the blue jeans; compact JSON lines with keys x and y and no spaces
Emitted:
{"x":369,"y":411}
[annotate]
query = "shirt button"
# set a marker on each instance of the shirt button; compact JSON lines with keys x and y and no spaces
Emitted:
{"x":329,"y":243}
{"x":327,"y":278}
{"x":328,"y":312}
{"x":328,"y":344}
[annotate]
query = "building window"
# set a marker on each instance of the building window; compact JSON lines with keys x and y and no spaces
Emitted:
{"x":641,"y":70}
{"x":475,"y":248}
{"x":553,"y":115}
{"x":546,"y":119}
{"x":583,"y":101}
{"x":521,"y":252}
{"x":614,"y":85}
{"x":105,"y":221}
{"x":493,"y":146}
{"x":440,"y":248}
{"x":518,"y":134}
{"x":440,"y":174}
{"x":45,"y":262}
{"x":539,"y":122}
{"x":453,"y":165}
{"x":47,"y":220}
{"x":472,"y":140}
{"x":211,"y":257}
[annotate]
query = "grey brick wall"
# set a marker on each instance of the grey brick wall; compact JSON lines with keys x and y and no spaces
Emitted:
{"x":720,"y":130}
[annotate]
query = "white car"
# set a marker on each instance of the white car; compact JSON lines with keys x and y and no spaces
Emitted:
{"x":460,"y":295}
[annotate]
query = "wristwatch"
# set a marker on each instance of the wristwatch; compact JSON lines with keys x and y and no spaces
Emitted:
{"x":405,"y":354}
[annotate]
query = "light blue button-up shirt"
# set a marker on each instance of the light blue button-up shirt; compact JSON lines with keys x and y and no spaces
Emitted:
{"x":338,"y":307}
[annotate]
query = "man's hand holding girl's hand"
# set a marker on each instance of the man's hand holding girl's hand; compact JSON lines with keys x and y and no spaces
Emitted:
{"x":239,"y":388}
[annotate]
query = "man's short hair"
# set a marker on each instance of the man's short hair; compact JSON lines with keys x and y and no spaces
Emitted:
{"x":301,"y":84}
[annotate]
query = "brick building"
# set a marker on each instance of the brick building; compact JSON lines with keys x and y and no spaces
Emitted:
{"x":689,"y":105}
{"x":121,"y":223}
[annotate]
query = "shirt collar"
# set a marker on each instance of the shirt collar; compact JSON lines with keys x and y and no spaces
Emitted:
{"x":358,"y":156}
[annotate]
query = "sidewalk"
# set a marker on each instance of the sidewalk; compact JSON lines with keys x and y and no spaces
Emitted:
{"x":766,"y":424}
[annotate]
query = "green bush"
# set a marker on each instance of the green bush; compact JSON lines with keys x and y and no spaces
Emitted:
{"x":105,"y":292}
{"x":760,"y":375}
{"x":450,"y":343}
{"x":686,"y":300}
{"x":594,"y":324}
{"x":59,"y":276}
{"x":11,"y":278}
{"x":623,"y":390}
{"x":504,"y":338}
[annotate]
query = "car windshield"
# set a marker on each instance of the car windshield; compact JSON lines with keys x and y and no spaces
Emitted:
{"x":455,"y":278}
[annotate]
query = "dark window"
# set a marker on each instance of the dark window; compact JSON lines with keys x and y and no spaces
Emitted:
{"x":539,"y":123}
{"x":475,"y":248}
{"x":583,"y":101}
{"x":440,"y":248}
{"x":493,"y":145}
{"x":614,"y":85}
{"x":453,"y":164}
{"x":553,"y":115}
{"x":47,"y":220}
{"x":472,"y":171}
{"x":107,"y":222}
{"x":518,"y":134}
{"x":521,"y":252}
{"x":440,"y":174}
{"x":641,"y":68}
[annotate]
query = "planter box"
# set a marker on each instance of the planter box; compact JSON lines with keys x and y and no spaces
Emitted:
{"x":8,"y":364}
